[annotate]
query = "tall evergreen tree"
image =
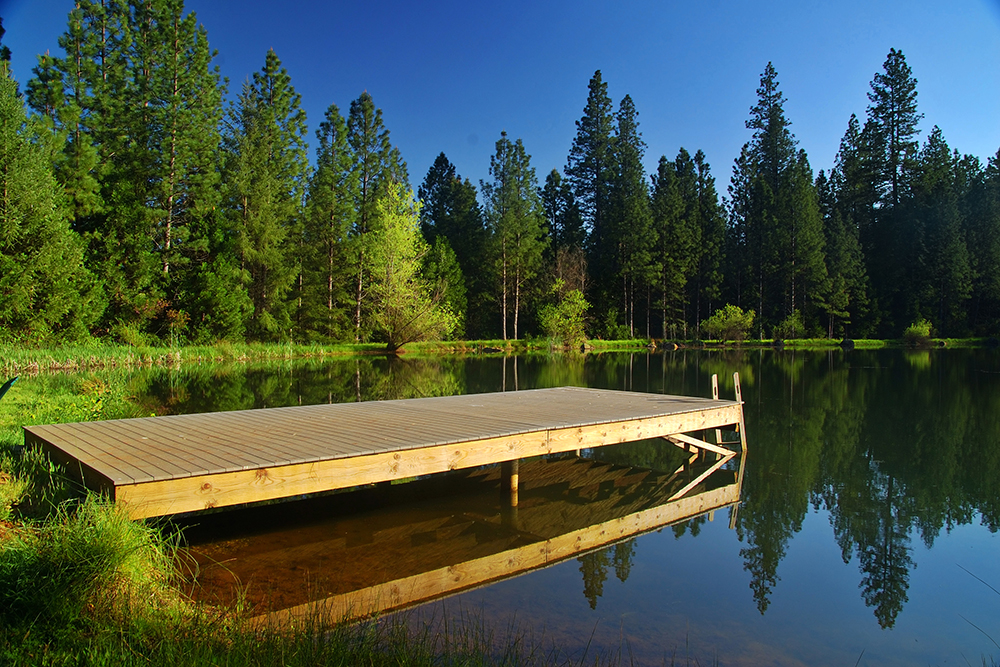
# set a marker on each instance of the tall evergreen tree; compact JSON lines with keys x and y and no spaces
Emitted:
{"x":849,"y":208}
{"x":265,"y":173}
{"x":890,"y":134}
{"x":590,"y":171}
{"x":676,"y":237}
{"x":893,"y":117}
{"x":704,"y":287}
{"x":630,"y":231}
{"x":327,"y":298}
{"x":45,"y":291}
{"x":690,"y":230}
{"x":983,"y":224}
{"x":941,"y":275}
{"x":565,"y":222}
{"x":377,"y":165}
{"x":847,"y":299}
{"x":450,"y":210}
{"x":138,"y":106}
{"x":452,"y":222}
{"x":775,"y":213}
{"x":516,"y":224}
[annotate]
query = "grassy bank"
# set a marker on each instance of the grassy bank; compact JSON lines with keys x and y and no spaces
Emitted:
{"x":15,"y":359}
{"x":98,"y":355}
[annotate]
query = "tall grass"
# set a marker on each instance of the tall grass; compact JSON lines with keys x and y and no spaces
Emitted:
{"x":101,"y":355}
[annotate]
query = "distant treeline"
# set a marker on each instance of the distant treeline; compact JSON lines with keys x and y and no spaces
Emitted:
{"x":138,"y":205}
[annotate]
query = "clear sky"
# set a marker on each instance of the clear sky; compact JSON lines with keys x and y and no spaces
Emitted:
{"x":450,"y":75}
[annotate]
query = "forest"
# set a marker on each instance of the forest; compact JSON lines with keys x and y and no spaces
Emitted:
{"x":140,"y":206}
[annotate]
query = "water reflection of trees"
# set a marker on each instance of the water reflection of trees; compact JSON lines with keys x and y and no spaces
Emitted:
{"x":219,"y":387}
{"x":890,"y":448}
{"x":594,"y":568}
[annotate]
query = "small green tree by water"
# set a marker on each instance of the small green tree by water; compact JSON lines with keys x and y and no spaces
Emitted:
{"x":729,"y":323}
{"x":405,"y":309}
{"x":564,"y":320}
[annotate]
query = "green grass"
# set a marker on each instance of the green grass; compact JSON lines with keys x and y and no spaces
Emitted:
{"x":17,"y":359}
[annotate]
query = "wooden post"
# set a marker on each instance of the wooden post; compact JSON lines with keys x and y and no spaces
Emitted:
{"x":509,"y":481}
{"x":743,"y":433}
{"x":742,"y":425}
{"x":715,"y":397}
{"x":508,"y":489}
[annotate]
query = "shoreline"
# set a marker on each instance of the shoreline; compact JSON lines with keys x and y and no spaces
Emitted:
{"x":15,"y":360}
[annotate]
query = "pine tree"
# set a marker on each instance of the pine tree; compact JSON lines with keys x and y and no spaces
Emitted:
{"x":565,"y":222}
{"x":46,"y":291}
{"x":890,"y":135}
{"x":893,"y":117}
{"x":327,"y":298}
{"x":676,"y":240}
{"x":983,"y":224}
{"x":630,"y":231}
{"x":942,"y":275}
{"x":704,"y":286}
{"x":265,"y":173}
{"x":451,"y":213}
{"x":590,"y":171}
{"x":377,"y":165}
{"x":450,"y":210}
{"x":516,"y":224}
{"x":847,"y":299}
{"x":775,"y":215}
{"x":805,"y":249}
{"x":138,"y":106}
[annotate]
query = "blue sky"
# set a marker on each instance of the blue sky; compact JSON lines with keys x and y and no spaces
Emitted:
{"x":450,"y":75}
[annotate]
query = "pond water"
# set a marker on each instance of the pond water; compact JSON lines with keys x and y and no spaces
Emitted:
{"x":866,"y":531}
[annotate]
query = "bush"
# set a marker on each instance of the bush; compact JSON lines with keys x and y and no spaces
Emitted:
{"x":729,"y":323}
{"x":86,"y":562}
{"x":564,"y":321}
{"x":791,"y":327}
{"x":918,"y":334}
{"x":610,"y":329}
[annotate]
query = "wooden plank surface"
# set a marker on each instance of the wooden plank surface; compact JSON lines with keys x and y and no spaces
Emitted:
{"x":184,"y":462}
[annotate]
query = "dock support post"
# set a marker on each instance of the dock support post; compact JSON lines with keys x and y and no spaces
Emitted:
{"x":509,"y":481}
{"x":715,"y":397}
{"x":508,"y":489}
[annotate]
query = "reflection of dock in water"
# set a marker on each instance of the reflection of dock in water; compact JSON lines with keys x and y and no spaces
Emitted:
{"x":182,"y":463}
{"x":367,"y":562}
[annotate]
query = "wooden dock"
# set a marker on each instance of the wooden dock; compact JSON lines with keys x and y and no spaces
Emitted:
{"x":181,"y":463}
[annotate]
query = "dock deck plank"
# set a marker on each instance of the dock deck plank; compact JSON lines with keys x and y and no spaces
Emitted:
{"x":233,"y":457}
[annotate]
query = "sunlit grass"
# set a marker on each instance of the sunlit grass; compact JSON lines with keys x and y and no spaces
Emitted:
{"x":98,"y":355}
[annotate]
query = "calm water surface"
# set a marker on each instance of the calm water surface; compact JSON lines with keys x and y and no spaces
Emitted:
{"x":869,"y":507}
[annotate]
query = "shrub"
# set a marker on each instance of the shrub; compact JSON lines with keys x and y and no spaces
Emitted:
{"x":610,"y":329}
{"x":918,"y":333}
{"x":729,"y":323}
{"x":564,"y":320}
{"x":791,"y":327}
